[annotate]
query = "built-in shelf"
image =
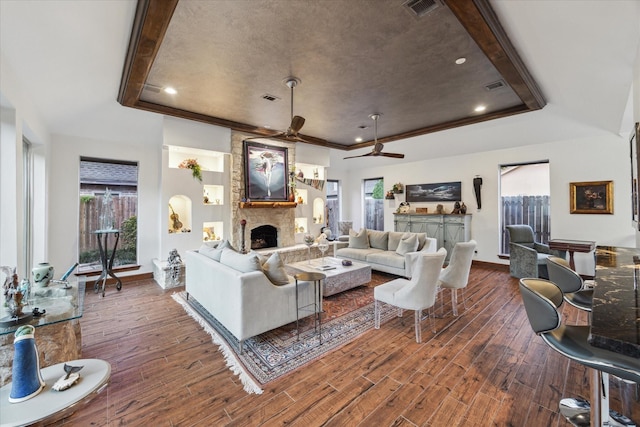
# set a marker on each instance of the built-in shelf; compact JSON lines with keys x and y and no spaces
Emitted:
{"x":212,"y":231}
{"x":179,"y":214}
{"x":208,"y":160}
{"x":213,"y":194}
{"x":301,"y":196}
{"x":257,"y":205}
{"x":301,"y":225}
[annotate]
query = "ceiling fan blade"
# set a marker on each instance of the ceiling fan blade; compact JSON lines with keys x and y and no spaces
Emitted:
{"x":394,"y":155}
{"x":277,"y":135}
{"x":296,"y":124}
{"x":361,"y":155}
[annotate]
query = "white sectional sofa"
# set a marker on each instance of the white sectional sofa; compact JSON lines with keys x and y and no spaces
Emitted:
{"x":388,"y":251}
{"x":234,"y":288}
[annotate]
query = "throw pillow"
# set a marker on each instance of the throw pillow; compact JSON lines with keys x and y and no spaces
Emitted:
{"x":422,"y":239}
{"x":274,"y":270}
{"x":241,"y":262}
{"x":261,"y":257}
{"x":208,"y":251}
{"x":225,"y":244}
{"x":378,"y":239}
{"x":408,"y":244}
{"x":359,"y":240}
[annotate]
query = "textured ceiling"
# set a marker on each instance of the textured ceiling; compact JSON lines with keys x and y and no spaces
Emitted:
{"x":353,"y":57}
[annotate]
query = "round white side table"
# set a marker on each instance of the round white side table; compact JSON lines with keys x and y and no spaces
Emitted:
{"x":50,"y":405}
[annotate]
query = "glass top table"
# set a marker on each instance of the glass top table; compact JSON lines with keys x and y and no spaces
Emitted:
{"x":59,"y":302}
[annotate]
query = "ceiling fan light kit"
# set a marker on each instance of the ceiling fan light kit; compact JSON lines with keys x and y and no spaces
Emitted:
{"x":378,"y":146}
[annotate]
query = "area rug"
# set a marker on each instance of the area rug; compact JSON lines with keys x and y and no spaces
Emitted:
{"x":273,"y":354}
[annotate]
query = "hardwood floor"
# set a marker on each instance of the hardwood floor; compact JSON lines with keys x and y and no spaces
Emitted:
{"x":483,"y":368}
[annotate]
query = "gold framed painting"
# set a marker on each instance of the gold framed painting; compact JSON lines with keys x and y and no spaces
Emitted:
{"x":591,"y":197}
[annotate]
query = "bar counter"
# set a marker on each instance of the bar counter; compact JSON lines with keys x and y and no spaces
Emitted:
{"x":615,"y":316}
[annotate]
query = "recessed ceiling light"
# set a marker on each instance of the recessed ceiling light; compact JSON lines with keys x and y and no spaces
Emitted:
{"x":461,"y":60}
{"x":170,"y":90}
{"x":480,"y":108}
{"x":267,"y":126}
{"x":359,"y":139}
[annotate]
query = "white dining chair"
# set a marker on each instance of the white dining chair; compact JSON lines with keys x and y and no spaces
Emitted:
{"x":456,"y":275}
{"x":418,"y":293}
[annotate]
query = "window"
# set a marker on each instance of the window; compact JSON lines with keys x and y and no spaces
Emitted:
{"x":108,"y":188}
{"x":333,"y":205}
{"x":373,"y":203}
{"x":525,"y":199}
{"x":27,"y":200}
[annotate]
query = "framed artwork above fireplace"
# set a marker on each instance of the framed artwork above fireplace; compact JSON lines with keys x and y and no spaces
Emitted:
{"x":266,"y":172}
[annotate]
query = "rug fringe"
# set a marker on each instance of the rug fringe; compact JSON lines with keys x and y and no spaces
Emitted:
{"x":249,"y":385}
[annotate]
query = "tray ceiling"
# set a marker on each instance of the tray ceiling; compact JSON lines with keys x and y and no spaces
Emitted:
{"x":228,"y":60}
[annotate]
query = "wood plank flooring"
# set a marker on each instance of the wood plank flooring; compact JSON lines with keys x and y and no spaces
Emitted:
{"x":483,"y":368}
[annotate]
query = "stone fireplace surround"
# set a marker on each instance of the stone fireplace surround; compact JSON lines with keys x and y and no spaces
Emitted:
{"x":283,"y":219}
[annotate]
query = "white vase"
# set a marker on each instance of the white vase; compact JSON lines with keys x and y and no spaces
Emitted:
{"x":42,"y":274}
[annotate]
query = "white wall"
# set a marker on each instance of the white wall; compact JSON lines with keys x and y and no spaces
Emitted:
{"x":187,"y":133}
{"x":19,"y":118}
{"x":64,"y":193}
{"x":587,"y":159}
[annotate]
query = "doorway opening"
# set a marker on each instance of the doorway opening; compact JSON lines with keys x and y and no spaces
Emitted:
{"x":525,"y":199}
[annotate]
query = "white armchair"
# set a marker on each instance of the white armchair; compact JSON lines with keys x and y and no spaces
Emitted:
{"x":417,"y":294}
{"x":456,"y":275}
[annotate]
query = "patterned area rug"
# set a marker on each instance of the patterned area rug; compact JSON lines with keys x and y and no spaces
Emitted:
{"x":273,"y":354}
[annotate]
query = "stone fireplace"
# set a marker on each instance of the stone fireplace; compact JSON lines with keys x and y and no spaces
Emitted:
{"x":281,"y":219}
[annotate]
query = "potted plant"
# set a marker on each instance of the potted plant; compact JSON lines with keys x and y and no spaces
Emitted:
{"x":398,"y":188}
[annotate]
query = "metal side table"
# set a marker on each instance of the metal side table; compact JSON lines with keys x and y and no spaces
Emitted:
{"x":316,"y":279}
{"x":106,"y":258}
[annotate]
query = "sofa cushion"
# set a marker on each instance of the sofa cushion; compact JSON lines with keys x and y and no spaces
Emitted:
{"x":422,"y":239}
{"x":241,"y":262}
{"x":407,"y":244}
{"x":394,"y":240}
{"x":378,"y":239}
{"x":359,"y":240}
{"x":356,"y":254}
{"x":274,"y":270}
{"x":388,"y":258}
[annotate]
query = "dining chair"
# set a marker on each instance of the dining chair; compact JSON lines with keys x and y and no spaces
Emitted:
{"x":456,"y":275}
{"x":570,"y":283}
{"x":542,"y":300}
{"x":418,"y":293}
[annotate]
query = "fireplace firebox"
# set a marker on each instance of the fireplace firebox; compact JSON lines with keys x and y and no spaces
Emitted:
{"x":264,"y":236}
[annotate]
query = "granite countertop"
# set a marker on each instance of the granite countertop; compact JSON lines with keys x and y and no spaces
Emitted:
{"x":615,"y":316}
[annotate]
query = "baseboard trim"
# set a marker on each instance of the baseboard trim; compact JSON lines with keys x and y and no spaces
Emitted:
{"x":491,"y":265}
{"x":123,"y":279}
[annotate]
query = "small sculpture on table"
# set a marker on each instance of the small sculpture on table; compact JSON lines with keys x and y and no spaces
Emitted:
{"x":69,"y":379}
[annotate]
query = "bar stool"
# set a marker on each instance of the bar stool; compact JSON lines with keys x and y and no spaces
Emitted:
{"x":570,"y":283}
{"x":542,"y":298}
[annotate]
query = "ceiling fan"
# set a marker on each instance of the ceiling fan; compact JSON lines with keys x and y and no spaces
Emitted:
{"x":297,"y":122}
{"x":377,"y":148}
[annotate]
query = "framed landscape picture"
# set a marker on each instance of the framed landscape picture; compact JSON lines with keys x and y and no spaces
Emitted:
{"x":593,"y":197}
{"x":265,"y":172}
{"x":440,"y":192}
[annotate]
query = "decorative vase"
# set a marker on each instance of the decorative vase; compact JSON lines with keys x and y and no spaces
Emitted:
{"x":26,"y":379}
{"x":42,"y":274}
{"x":463,"y":208}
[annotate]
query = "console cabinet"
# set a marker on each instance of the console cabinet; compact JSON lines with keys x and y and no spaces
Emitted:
{"x":447,"y":229}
